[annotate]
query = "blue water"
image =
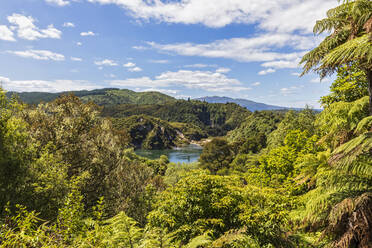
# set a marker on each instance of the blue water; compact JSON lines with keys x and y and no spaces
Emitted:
{"x":187,"y":154}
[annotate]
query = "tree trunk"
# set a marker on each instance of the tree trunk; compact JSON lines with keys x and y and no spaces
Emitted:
{"x":369,"y":79}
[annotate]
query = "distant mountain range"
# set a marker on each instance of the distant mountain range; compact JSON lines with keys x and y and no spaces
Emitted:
{"x":113,"y":96}
{"x":250,"y":105}
{"x":108,"y":96}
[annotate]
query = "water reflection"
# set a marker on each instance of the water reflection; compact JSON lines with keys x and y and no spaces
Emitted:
{"x":187,"y":154}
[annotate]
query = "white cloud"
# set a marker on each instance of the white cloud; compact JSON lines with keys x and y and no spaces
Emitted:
{"x":89,"y":33}
{"x":139,"y":47}
{"x":289,"y":90}
{"x":68,"y":25}
{"x":159,"y":61}
{"x":46,"y":86}
{"x":280,"y":64}
{"x":223,"y":70}
{"x":204,"y":80}
{"x":129,"y":64}
{"x":132,"y":67}
{"x":76,"y":59}
{"x":265,"y":72}
{"x":79,"y":43}
{"x":296,"y":74}
{"x":165,"y":91}
{"x":318,"y":80}
{"x":281,"y":15}
{"x":256,"y":84}
{"x":297,"y":15}
{"x":106,"y":62}
{"x":135,"y":69}
{"x":199,"y":66}
{"x":266,"y":47}
{"x":60,"y":3}
{"x":4,"y":80}
{"x":39,"y":55}
{"x":26,"y":29}
{"x":6,"y":33}
{"x":110,"y":75}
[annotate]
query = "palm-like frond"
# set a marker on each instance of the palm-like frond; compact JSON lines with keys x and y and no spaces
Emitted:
{"x":358,"y":49}
{"x":355,"y":156}
{"x":313,"y":58}
{"x":350,"y":39}
{"x":364,"y":125}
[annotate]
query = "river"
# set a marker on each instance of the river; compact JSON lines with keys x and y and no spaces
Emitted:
{"x":186,"y":154}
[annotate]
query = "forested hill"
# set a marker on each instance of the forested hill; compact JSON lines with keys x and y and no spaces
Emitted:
{"x":114,"y":96}
{"x":107,"y":96}
{"x":250,"y":105}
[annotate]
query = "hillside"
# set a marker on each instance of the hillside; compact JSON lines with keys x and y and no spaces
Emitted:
{"x":148,"y":132}
{"x":107,"y":96}
{"x":216,"y":119}
{"x":250,"y":105}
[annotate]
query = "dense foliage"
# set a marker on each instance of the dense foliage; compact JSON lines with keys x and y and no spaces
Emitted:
{"x":108,"y":96}
{"x":278,"y":179}
{"x":350,"y":85}
{"x":216,"y":119}
{"x":350,"y":41}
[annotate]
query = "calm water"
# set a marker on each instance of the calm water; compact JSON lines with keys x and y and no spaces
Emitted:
{"x":187,"y":154}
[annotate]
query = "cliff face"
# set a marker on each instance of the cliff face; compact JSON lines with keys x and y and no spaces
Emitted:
{"x":150,"y":133}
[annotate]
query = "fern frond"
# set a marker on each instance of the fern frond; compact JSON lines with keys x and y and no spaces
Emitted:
{"x":359,"y":49}
{"x":200,"y":241}
{"x":346,"y":156}
{"x":364,"y":125}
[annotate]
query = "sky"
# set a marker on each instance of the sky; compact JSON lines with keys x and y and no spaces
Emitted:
{"x":247,"y":49}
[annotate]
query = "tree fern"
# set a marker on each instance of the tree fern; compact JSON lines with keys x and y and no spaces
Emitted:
{"x":349,"y":42}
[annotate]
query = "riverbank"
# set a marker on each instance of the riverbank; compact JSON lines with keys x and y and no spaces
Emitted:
{"x":183,"y":154}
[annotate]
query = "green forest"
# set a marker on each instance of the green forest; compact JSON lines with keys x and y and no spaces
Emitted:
{"x":69,"y":176}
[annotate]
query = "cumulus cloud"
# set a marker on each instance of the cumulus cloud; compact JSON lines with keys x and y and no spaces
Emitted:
{"x":132,"y":67}
{"x":129,"y":64}
{"x":289,"y":90}
{"x":266,"y":47}
{"x":199,"y":66}
{"x":280,"y":64}
{"x":223,"y":70}
{"x":159,"y":61}
{"x":204,"y":80}
{"x":318,"y":80}
{"x":139,"y":47}
{"x":106,"y":62}
{"x":110,"y":75}
{"x":279,"y":15}
{"x":265,"y":72}
{"x":135,"y":69}
{"x":256,"y":84}
{"x":286,"y":25}
{"x":79,"y":43}
{"x":39,"y":55}
{"x":46,"y":86}
{"x":88,"y":33}
{"x":68,"y":25}
{"x":6,"y":33}
{"x":76,"y":59}
{"x":165,"y":91}
{"x":60,"y":3}
{"x":26,"y":29}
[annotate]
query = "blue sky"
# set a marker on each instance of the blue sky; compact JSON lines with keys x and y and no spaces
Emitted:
{"x":190,"y":48}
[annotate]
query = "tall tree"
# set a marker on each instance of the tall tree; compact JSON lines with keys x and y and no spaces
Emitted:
{"x":350,"y":41}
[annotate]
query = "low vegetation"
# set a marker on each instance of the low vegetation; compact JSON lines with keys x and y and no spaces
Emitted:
{"x":69,"y":177}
